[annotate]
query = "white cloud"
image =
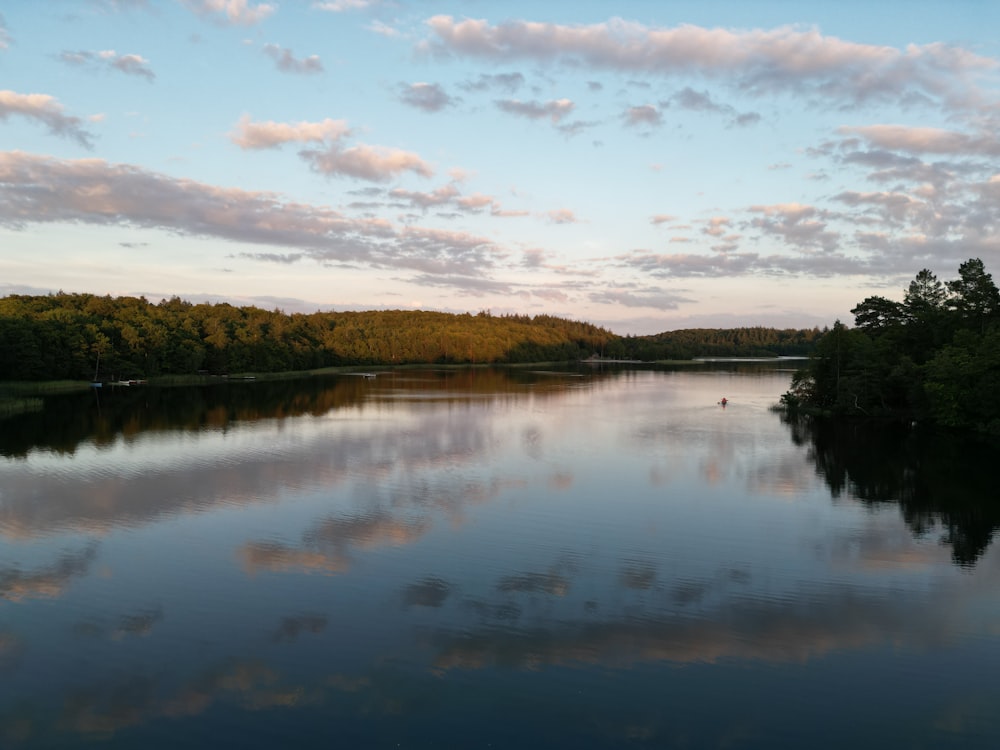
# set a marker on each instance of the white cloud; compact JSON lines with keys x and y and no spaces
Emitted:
{"x":4,"y":34}
{"x":341,"y":6}
{"x":46,"y":110}
{"x":231,"y":12}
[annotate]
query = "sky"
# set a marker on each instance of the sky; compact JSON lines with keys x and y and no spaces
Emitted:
{"x":642,"y":165}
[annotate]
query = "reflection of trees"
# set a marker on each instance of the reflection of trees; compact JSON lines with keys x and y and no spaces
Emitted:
{"x":939,"y":481}
{"x":110,"y":413}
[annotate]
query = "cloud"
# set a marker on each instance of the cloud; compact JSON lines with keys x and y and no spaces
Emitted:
{"x":383,"y":29}
{"x":701,"y":101}
{"x":555,"y":110}
{"x":341,"y":6}
{"x":429,"y":97}
{"x":46,"y":110}
{"x":891,"y":206}
{"x":328,"y":546}
{"x":716,"y":226}
{"x":430,"y":592}
{"x":135,"y":65}
{"x":796,"y":224}
{"x":39,"y":189}
{"x":653,"y":297}
{"x":270,"y":134}
{"x":644,"y":114}
{"x":662,"y":219}
{"x":509,"y":82}
{"x":449,"y":195}
{"x":286,"y":62}
{"x":696,"y":101}
{"x":922,"y":140}
{"x":292,"y":627}
{"x":562,"y":216}
{"x":441,"y":196}
{"x":47,"y":581}
{"x":231,"y":12}
{"x":786,"y":59}
{"x":363,"y":162}
{"x":4,"y":34}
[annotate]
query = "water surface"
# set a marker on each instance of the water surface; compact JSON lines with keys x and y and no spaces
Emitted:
{"x":490,"y":558}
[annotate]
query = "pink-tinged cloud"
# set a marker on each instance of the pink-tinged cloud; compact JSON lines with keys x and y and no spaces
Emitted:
{"x":716,"y":226}
{"x":476,"y":201}
{"x":46,"y":110}
{"x":342,"y":6}
{"x":363,"y":162}
{"x":562,"y":216}
{"x":554,"y":110}
{"x":916,"y":140}
{"x":783,"y":59}
{"x":441,"y":196}
{"x":259,"y":135}
{"x":286,"y":62}
{"x":37,"y":189}
{"x":231,"y":12}
{"x":662,"y":219}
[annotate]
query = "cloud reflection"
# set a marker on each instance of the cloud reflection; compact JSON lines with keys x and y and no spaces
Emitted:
{"x":326,"y":547}
{"x":768,"y":630}
{"x":49,"y":580}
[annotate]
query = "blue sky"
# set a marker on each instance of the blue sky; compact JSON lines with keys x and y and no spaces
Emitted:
{"x":644,"y":166}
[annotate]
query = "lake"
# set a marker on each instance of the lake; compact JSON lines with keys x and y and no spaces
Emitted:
{"x":491,"y":558}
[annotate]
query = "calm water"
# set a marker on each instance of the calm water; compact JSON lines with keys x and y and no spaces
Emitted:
{"x":491,"y":560}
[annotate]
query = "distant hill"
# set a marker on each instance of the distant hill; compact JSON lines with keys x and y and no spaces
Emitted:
{"x":83,"y":336}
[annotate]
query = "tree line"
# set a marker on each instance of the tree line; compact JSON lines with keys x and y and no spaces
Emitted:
{"x":86,"y":336}
{"x":933,"y":357}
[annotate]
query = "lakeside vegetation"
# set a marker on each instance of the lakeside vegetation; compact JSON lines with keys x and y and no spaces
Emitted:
{"x":89,"y":337}
{"x":934,"y":357}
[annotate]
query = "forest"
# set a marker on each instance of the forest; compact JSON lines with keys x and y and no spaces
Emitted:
{"x":89,"y":337}
{"x":934,"y":357}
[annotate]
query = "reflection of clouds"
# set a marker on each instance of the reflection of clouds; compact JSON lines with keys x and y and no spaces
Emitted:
{"x":552,"y":584}
{"x":883,"y":545}
{"x":10,"y":648}
{"x":291,"y":628}
{"x":561,"y":481}
{"x":326,"y":546}
{"x":779,"y":630}
{"x":401,"y":429}
{"x":47,"y":581}
{"x":638,"y":577}
{"x":108,"y":708}
{"x":430,"y":592}
{"x":216,"y":470}
{"x":138,"y":624}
